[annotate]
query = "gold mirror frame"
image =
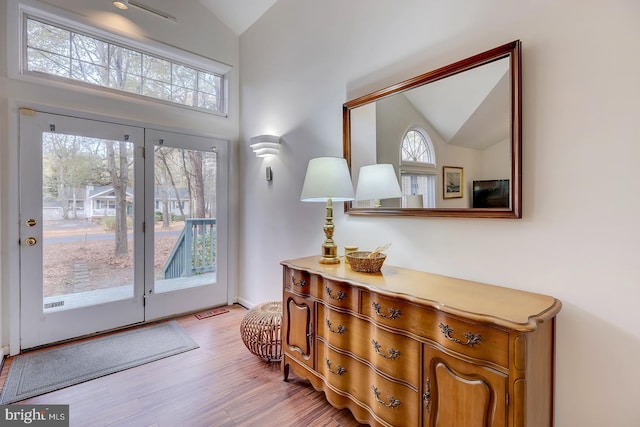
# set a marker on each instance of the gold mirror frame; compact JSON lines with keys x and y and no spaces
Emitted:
{"x":510,"y":50}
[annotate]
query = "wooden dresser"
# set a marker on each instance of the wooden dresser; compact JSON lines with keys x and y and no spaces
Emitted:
{"x":408,"y":348}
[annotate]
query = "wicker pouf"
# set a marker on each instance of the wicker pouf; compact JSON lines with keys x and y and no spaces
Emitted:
{"x":260,"y":331}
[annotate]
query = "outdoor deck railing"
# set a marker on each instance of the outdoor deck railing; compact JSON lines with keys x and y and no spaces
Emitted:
{"x":194,"y":251}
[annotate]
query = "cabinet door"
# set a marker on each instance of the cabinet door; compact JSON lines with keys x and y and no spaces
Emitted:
{"x":298,"y":315}
{"x":458,"y":393}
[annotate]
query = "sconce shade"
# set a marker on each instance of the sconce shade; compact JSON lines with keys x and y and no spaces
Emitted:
{"x":265,"y":145}
{"x":121,"y":4}
{"x":327,"y":178}
{"x":377,"y":182}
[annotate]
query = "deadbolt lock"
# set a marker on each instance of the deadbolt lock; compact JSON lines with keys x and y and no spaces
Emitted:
{"x":30,"y":241}
{"x":31,"y":222}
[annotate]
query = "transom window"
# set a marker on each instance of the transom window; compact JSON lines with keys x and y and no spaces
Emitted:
{"x":417,"y":170}
{"x":61,"y":52}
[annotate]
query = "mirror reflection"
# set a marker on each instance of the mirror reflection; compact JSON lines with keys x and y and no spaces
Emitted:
{"x":451,"y":135}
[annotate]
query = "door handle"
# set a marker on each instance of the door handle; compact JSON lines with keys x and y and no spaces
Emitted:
{"x":30,"y":241}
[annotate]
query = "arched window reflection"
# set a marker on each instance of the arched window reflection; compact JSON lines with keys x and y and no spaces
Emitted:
{"x":417,"y":170}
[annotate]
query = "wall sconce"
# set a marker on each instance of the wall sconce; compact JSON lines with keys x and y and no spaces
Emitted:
{"x":327,"y":180}
{"x":265,"y":145}
{"x":377,"y":182}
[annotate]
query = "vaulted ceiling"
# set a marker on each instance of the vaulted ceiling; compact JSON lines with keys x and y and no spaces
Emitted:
{"x":462,"y":109}
{"x":238,"y":14}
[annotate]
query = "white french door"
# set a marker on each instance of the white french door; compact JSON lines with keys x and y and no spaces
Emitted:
{"x":96,"y":252}
{"x":187,"y":206}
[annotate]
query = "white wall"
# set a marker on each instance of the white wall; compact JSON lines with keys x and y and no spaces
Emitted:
{"x":578,"y":238}
{"x":196,"y":31}
{"x":496,"y":161}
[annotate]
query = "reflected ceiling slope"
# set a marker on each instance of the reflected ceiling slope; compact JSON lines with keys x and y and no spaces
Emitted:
{"x":463,"y":108}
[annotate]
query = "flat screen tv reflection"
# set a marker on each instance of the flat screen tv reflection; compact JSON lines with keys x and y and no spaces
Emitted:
{"x":491,"y":193}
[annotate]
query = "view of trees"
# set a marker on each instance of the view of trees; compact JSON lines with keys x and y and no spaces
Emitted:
{"x":70,"y":163}
{"x":60,"y":52}
{"x":119,"y":174}
{"x":177,"y":170}
{"x":183,"y":178}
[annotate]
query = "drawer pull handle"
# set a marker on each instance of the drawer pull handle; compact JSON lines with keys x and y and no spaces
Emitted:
{"x":472,"y":339}
{"x":393,"y":353}
{"x":339,"y":369}
{"x":393,"y":402}
{"x":300,"y":283}
{"x":339,"y":297}
{"x":341,"y":329}
{"x":394,"y":313}
{"x":427,"y":395}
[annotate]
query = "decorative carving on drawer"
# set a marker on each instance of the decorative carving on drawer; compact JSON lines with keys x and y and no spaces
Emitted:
{"x":393,"y":402}
{"x":394,"y":313}
{"x":338,"y":297}
{"x":339,"y":369}
{"x":300,"y":283}
{"x":426,"y":396}
{"x":340,"y":330}
{"x":472,"y":339}
{"x":393,"y":353}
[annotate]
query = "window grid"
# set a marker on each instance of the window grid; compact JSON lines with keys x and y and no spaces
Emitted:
{"x":158,"y":78}
{"x":415,"y":148}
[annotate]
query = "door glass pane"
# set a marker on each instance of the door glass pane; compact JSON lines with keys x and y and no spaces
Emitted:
{"x":87,"y":199}
{"x":185,"y":218}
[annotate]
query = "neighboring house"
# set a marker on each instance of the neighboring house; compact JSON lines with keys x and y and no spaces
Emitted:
{"x":174,"y":202}
{"x":54,"y":209}
{"x":99,"y":202}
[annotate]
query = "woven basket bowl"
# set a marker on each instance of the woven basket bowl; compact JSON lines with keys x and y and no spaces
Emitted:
{"x":359,"y":262}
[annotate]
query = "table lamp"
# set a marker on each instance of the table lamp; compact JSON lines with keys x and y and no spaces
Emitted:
{"x":327,"y":180}
{"x":377,"y":182}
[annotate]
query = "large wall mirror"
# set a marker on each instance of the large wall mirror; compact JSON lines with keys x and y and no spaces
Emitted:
{"x":452,"y":135}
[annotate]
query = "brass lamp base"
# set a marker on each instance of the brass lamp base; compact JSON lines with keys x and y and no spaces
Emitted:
{"x":329,"y":254}
{"x":329,"y":248}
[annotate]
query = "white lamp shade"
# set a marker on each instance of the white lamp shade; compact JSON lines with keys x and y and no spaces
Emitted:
{"x":377,"y":182}
{"x":327,"y":178}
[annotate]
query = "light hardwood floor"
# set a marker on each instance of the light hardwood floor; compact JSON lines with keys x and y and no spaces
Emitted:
{"x":219,"y":384}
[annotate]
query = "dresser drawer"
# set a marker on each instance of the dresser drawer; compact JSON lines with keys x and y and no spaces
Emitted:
{"x":297,"y":281}
{"x":472,"y":339}
{"x":336,"y":293}
{"x":395,"y":355}
{"x":398,"y":314}
{"x":395,"y":403}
